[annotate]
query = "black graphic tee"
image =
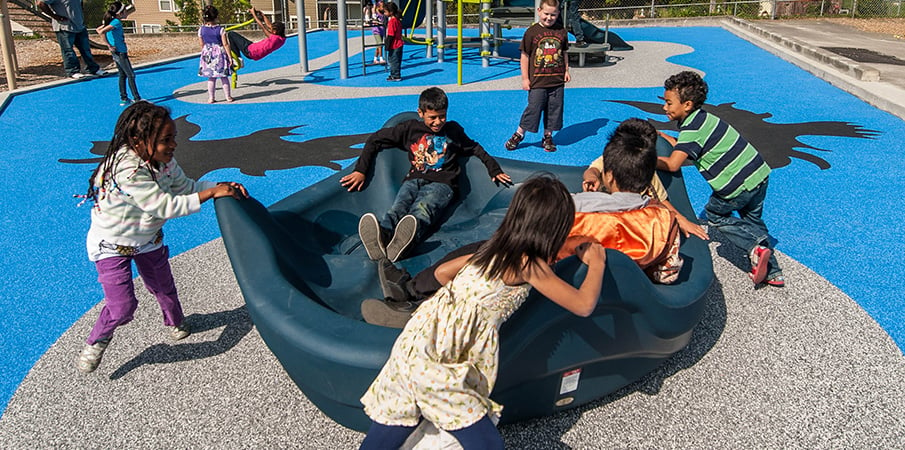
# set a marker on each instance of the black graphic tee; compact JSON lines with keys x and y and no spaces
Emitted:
{"x":434,"y":156}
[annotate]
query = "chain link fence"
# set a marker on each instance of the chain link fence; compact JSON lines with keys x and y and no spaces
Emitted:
{"x":601,"y":10}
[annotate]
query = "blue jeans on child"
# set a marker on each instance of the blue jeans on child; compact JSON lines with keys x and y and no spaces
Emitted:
{"x":115,"y":276}
{"x":394,"y":61}
{"x":748,"y":230}
{"x":67,"y":40}
{"x":124,"y":67}
{"x":421,"y":198}
{"x":480,"y":435}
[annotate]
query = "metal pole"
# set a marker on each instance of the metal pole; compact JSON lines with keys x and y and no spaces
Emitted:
{"x":441,"y":30}
{"x":485,"y":33}
{"x":303,"y":36}
{"x":7,"y":47}
{"x":343,"y":41}
{"x":652,"y":12}
{"x":429,"y":28}
{"x":773,"y":10}
{"x":459,"y":44}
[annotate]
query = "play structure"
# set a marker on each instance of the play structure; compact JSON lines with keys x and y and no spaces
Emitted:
{"x":304,"y":273}
{"x":510,"y":13}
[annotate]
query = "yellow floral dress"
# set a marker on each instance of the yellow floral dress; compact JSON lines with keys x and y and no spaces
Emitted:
{"x":444,"y":364}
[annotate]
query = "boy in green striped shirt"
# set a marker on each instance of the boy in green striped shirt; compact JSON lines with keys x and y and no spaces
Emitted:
{"x":730,"y":164}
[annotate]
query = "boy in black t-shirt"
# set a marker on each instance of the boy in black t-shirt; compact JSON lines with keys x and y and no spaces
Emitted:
{"x":434,"y":148}
{"x":545,"y":71}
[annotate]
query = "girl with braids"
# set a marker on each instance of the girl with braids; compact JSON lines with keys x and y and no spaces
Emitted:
{"x":215,"y":59}
{"x":135,"y":189}
{"x":112,"y":30}
{"x":443,"y":366}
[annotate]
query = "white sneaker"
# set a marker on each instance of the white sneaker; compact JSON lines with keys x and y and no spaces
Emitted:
{"x":180,"y":331}
{"x":91,"y":355}
{"x":376,"y":61}
{"x":77,"y":75}
{"x":100,"y":72}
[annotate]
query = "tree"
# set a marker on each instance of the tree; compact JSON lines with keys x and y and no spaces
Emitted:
{"x":189,"y":12}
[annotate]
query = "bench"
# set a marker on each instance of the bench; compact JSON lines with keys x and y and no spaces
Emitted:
{"x":589,"y":49}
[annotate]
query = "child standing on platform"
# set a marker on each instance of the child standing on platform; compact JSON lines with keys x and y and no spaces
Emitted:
{"x":731,"y":166}
{"x":215,"y":60}
{"x":135,"y":189}
{"x":394,"y":41}
{"x":112,"y":30}
{"x":545,"y":71}
{"x":443,"y":366}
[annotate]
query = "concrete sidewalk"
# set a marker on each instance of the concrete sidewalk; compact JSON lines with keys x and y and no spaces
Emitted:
{"x":805,"y":42}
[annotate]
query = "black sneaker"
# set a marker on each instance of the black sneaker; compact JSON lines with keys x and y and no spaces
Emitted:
{"x":387,"y":313}
{"x":547,"y":143}
{"x":402,"y":237}
{"x":514,"y":141}
{"x":393,"y":281}
{"x":371,"y":236}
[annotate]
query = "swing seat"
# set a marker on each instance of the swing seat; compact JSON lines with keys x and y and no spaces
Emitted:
{"x":304,"y":273}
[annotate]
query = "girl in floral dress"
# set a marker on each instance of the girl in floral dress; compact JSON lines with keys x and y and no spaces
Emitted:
{"x":215,"y":60}
{"x":444,"y":364}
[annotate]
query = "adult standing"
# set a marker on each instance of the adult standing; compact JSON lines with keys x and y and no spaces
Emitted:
{"x":69,"y":26}
{"x":573,"y":17}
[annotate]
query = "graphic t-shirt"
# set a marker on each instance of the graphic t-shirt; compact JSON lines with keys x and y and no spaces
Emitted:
{"x":546,"y":50}
{"x":434,"y":156}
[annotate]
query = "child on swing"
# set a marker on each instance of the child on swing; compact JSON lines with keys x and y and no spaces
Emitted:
{"x":241,"y":46}
{"x":136,"y":187}
{"x":443,"y":366}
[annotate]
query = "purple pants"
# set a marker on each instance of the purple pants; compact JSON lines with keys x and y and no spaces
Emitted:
{"x":115,"y":276}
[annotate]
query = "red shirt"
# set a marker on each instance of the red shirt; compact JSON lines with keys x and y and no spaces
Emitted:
{"x":394,"y":33}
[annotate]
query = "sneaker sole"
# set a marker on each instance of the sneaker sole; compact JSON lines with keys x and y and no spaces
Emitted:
{"x":376,"y":312}
{"x":402,"y":237}
{"x":391,"y":289}
{"x":369,"y":233}
{"x":760,"y":272}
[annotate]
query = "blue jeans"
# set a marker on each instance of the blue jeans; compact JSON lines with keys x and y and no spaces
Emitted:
{"x":425,"y":200}
{"x":574,"y":19}
{"x":480,"y":435}
{"x":394,"y":60}
{"x":67,"y":41}
{"x":124,"y":66}
{"x":748,"y":230}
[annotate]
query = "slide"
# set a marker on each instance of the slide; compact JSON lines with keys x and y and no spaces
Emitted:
{"x":597,"y":35}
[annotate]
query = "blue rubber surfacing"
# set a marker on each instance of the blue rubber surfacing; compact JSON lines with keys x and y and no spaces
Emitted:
{"x":841,"y":222}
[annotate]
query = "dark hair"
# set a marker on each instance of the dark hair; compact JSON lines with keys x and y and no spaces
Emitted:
{"x":535,"y":227}
{"x":279,"y":29}
{"x":209,"y":13}
{"x":392,"y":9}
{"x":433,"y":99}
{"x":690,"y":86}
{"x":112,"y":10}
{"x":140,"y":123}
{"x":630,"y":155}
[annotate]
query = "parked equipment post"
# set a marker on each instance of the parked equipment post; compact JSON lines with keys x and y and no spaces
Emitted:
{"x":343,"y":40}
{"x":441,"y":30}
{"x":303,"y":37}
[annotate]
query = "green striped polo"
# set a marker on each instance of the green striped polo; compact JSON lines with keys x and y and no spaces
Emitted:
{"x":727,"y":161}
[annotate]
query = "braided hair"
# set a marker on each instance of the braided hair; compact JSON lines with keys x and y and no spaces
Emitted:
{"x":137,"y":128}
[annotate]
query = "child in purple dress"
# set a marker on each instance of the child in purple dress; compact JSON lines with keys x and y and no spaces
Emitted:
{"x":215,"y":59}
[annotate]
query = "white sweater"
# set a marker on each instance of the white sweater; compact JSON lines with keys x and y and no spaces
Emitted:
{"x":132,"y":210}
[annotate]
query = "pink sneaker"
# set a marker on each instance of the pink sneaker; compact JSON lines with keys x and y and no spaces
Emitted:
{"x":760,"y":258}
